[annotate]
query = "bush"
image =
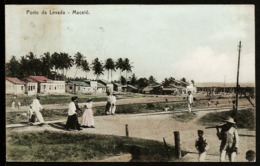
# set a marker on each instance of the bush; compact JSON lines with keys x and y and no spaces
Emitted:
{"x":245,"y":118}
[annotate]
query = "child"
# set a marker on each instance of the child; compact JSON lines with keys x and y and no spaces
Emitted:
{"x":19,"y":105}
{"x":13,"y":105}
{"x":250,"y":156}
{"x":87,"y":117}
{"x":202,"y":146}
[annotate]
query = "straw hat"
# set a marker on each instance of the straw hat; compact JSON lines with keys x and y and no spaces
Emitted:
{"x":230,"y":120}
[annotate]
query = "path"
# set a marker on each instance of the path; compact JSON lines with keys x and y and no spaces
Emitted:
{"x":155,"y":127}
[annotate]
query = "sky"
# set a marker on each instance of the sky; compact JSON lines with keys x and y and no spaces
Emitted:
{"x":198,"y":42}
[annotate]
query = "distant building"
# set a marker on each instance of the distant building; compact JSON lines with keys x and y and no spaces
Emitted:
{"x":14,"y":86}
{"x":109,"y":86}
{"x":31,"y":86}
{"x":78,"y":87}
{"x":48,"y":86}
{"x":129,"y":88}
{"x":118,"y":87}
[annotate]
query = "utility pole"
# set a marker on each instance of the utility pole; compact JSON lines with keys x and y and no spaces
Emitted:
{"x":224,"y":83}
{"x":237,"y":88}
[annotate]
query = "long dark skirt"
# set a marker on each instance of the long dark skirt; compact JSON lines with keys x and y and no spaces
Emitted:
{"x":72,"y":122}
{"x":108,"y":105}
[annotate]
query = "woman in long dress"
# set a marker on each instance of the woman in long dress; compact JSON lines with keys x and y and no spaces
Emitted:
{"x":72,"y":121}
{"x":87,"y":117}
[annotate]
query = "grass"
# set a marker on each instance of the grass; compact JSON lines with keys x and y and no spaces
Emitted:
{"x":49,"y":146}
{"x":184,"y":117}
{"x":245,"y":118}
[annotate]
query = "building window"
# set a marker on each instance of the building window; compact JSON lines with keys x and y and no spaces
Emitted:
{"x":21,"y":87}
{"x":55,"y":87}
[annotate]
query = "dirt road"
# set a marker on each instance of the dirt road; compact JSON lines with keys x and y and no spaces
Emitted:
{"x":155,"y":127}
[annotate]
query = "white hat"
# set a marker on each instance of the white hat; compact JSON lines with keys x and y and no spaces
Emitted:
{"x":230,"y":120}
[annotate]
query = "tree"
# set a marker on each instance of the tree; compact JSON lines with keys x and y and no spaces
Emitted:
{"x":34,"y":63}
{"x":192,"y":81}
{"x":78,"y":61}
{"x":68,"y":62}
{"x":152,"y":80}
{"x":120,"y":65}
{"x":85,"y":67}
{"x":133,"y":79}
{"x":13,"y":67}
{"x":183,"y":79}
{"x":127,"y":66}
{"x":167,"y":81}
{"x":97,"y":67}
{"x":142,"y":82}
{"x":109,"y":65}
{"x":122,"y":80}
{"x":56,"y":62}
{"x":46,"y":64}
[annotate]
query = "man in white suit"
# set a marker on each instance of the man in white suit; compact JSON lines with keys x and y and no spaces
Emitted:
{"x":190,"y":101}
{"x":36,"y":107}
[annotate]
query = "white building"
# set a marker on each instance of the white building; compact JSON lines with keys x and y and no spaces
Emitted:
{"x":47,"y":86}
{"x":30,"y":87}
{"x":14,"y":86}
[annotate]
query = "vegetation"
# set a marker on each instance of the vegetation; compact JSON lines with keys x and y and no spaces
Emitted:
{"x":184,"y":117}
{"x":49,"y":146}
{"x":245,"y":118}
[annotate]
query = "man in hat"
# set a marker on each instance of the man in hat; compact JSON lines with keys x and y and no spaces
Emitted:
{"x":190,"y":101}
{"x":72,"y":121}
{"x":36,"y":107}
{"x":229,"y":140}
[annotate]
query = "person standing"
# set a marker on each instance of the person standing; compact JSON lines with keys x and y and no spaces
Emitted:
{"x":72,"y":121}
{"x":19,"y":105}
{"x":202,"y":146}
{"x":108,"y":105}
{"x":190,"y":101}
{"x":113,"y":104}
{"x":87,"y":117}
{"x":229,"y":140}
{"x":36,"y":107}
{"x":13,"y":105}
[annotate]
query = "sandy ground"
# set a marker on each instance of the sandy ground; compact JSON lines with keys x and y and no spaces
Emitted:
{"x":155,"y":127}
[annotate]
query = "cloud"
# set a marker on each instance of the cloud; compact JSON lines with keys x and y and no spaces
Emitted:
{"x":205,"y":65}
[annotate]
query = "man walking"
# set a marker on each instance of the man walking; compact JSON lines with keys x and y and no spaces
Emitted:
{"x":229,"y":140}
{"x":113,"y":104}
{"x":36,"y":107}
{"x":190,"y":101}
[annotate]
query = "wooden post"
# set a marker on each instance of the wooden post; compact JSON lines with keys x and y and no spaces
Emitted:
{"x":177,"y":144}
{"x":126,"y":130}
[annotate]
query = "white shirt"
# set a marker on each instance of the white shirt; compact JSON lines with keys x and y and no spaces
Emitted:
{"x":113,"y":99}
{"x":190,"y":99}
{"x":72,"y":108}
{"x":36,"y":106}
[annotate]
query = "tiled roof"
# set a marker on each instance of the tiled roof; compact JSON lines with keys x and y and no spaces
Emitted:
{"x":29,"y":80}
{"x":79,"y":83}
{"x":39,"y":78}
{"x":131,"y":86}
{"x":100,"y":85}
{"x":14,"y":80}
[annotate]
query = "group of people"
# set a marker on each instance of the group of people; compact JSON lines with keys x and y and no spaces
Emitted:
{"x":229,"y":143}
{"x":13,"y":105}
{"x":73,"y":111}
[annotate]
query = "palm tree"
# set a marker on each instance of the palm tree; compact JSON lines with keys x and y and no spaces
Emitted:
{"x":78,"y":61}
{"x":120,"y":65}
{"x":85,"y":67}
{"x":34,"y":63}
{"x":24,"y":67}
{"x":97,"y":67}
{"x":68,"y":63}
{"x":46,"y":64}
{"x":127,"y":66}
{"x":55,"y":60}
{"x":109,"y":65}
{"x":133,"y":79}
